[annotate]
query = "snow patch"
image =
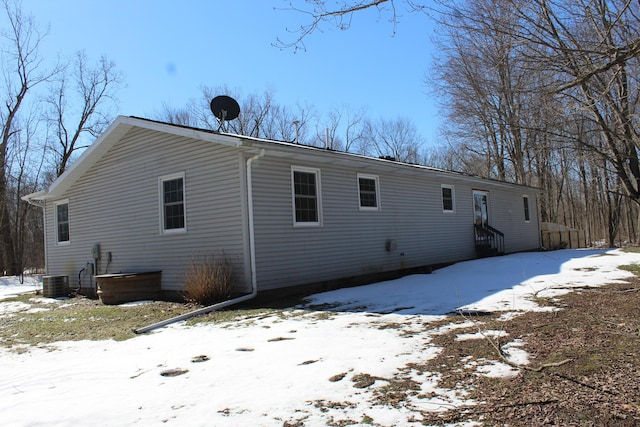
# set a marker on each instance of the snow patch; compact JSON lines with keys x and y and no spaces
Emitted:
{"x":494,"y":369}
{"x":380,"y":330}
{"x":9,"y":308}
{"x":514,"y":353}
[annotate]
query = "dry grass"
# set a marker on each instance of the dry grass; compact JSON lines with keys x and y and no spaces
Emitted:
{"x":597,"y":329}
{"x":208,"y":280}
{"x":42,"y":321}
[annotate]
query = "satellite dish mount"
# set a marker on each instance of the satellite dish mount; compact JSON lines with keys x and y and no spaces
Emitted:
{"x":224,"y":108}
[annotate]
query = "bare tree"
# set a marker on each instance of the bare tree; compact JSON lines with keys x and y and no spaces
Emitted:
{"x":353,"y":129}
{"x":260,"y":115}
{"x":443,"y":155}
{"x":327,"y":131}
{"x":348,"y":129}
{"x":318,"y":14}
{"x":177,"y":115}
{"x":22,"y":69}
{"x":25,"y":177}
{"x":540,"y":92}
{"x":397,"y":139}
{"x":594,"y":49}
{"x":491,"y":94}
{"x":27,"y":141}
{"x":342,"y":128}
{"x":79,"y":105}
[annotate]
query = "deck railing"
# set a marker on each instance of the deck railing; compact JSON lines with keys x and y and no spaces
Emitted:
{"x":489,"y":240}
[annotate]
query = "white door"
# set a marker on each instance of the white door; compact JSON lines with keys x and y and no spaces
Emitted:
{"x":480,"y":208}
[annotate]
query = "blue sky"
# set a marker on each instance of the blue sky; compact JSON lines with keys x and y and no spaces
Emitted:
{"x":168,"y":49}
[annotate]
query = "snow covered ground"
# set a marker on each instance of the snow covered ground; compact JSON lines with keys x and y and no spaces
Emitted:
{"x":302,"y":365}
{"x":11,"y":286}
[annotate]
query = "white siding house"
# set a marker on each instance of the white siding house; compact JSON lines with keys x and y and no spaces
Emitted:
{"x":153,"y":196}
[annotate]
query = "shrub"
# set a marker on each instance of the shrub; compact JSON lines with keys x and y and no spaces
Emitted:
{"x":208,"y":280}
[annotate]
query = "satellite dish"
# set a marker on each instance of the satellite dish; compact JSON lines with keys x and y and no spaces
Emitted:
{"x":224,"y":108}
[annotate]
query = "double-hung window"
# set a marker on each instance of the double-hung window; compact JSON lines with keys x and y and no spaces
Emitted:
{"x":305,"y":183}
{"x":448,"y":198}
{"x":62,"y":222}
{"x":172,"y":204}
{"x":527,"y":215}
{"x":368,"y":192}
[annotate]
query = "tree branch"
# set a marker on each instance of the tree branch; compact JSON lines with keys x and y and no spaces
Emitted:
{"x":320,"y":14}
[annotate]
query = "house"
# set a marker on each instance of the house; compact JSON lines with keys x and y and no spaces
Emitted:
{"x":151,"y":196}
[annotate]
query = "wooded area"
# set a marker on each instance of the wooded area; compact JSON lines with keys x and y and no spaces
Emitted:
{"x":538,"y":92}
{"x":48,"y":114}
{"x":545,"y":93}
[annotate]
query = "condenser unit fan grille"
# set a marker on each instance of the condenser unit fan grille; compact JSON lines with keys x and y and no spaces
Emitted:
{"x":54,"y":286}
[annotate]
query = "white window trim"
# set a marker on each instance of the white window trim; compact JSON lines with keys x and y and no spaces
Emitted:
{"x":55,"y":221}
{"x":526,"y":196}
{"x":161,"y":180}
{"x":453,"y":198}
{"x":378,"y":206}
{"x":315,"y":171}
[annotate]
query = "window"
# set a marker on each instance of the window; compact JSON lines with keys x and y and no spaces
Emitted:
{"x":525,"y":200}
{"x":62,"y":222}
{"x":369,"y":192}
{"x":306,"y":196}
{"x":448,"y":198}
{"x":172,"y":204}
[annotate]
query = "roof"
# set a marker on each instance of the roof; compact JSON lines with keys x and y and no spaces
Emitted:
{"x":114,"y":133}
{"x":123,"y":124}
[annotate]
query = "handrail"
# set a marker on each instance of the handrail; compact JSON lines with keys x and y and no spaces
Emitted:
{"x":489,"y":237}
{"x":495,"y":230}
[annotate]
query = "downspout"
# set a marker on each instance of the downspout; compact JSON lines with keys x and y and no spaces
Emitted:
{"x":540,"y":241}
{"x":252,"y":262}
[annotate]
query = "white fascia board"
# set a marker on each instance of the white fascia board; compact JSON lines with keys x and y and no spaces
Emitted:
{"x":87,"y":159}
{"x":90,"y":156}
{"x":38,"y":195}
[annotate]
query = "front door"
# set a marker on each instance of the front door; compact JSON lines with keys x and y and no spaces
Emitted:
{"x":480,"y":208}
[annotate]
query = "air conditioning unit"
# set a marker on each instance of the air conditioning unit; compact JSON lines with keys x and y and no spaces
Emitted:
{"x":54,"y":286}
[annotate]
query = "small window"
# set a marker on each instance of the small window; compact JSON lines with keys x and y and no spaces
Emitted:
{"x":369,"y":192}
{"x":62,"y":222}
{"x":306,"y":196}
{"x":525,"y":200}
{"x":173,"y":204}
{"x":448,"y":198}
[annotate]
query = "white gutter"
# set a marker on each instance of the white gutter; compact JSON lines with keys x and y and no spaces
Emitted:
{"x":252,"y":261}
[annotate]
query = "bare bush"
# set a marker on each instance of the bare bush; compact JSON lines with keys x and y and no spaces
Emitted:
{"x":208,"y":280}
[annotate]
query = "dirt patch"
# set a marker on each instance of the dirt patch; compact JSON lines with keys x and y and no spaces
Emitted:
{"x":594,"y":337}
{"x":396,"y":392}
{"x":364,"y":380}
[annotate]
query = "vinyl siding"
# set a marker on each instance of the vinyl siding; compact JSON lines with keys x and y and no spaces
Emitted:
{"x":116,"y":204}
{"x":352,"y":242}
{"x":508,"y":213}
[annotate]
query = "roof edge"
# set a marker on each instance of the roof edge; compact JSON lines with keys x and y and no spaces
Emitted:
{"x":114,"y":133}
{"x":123,"y":124}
